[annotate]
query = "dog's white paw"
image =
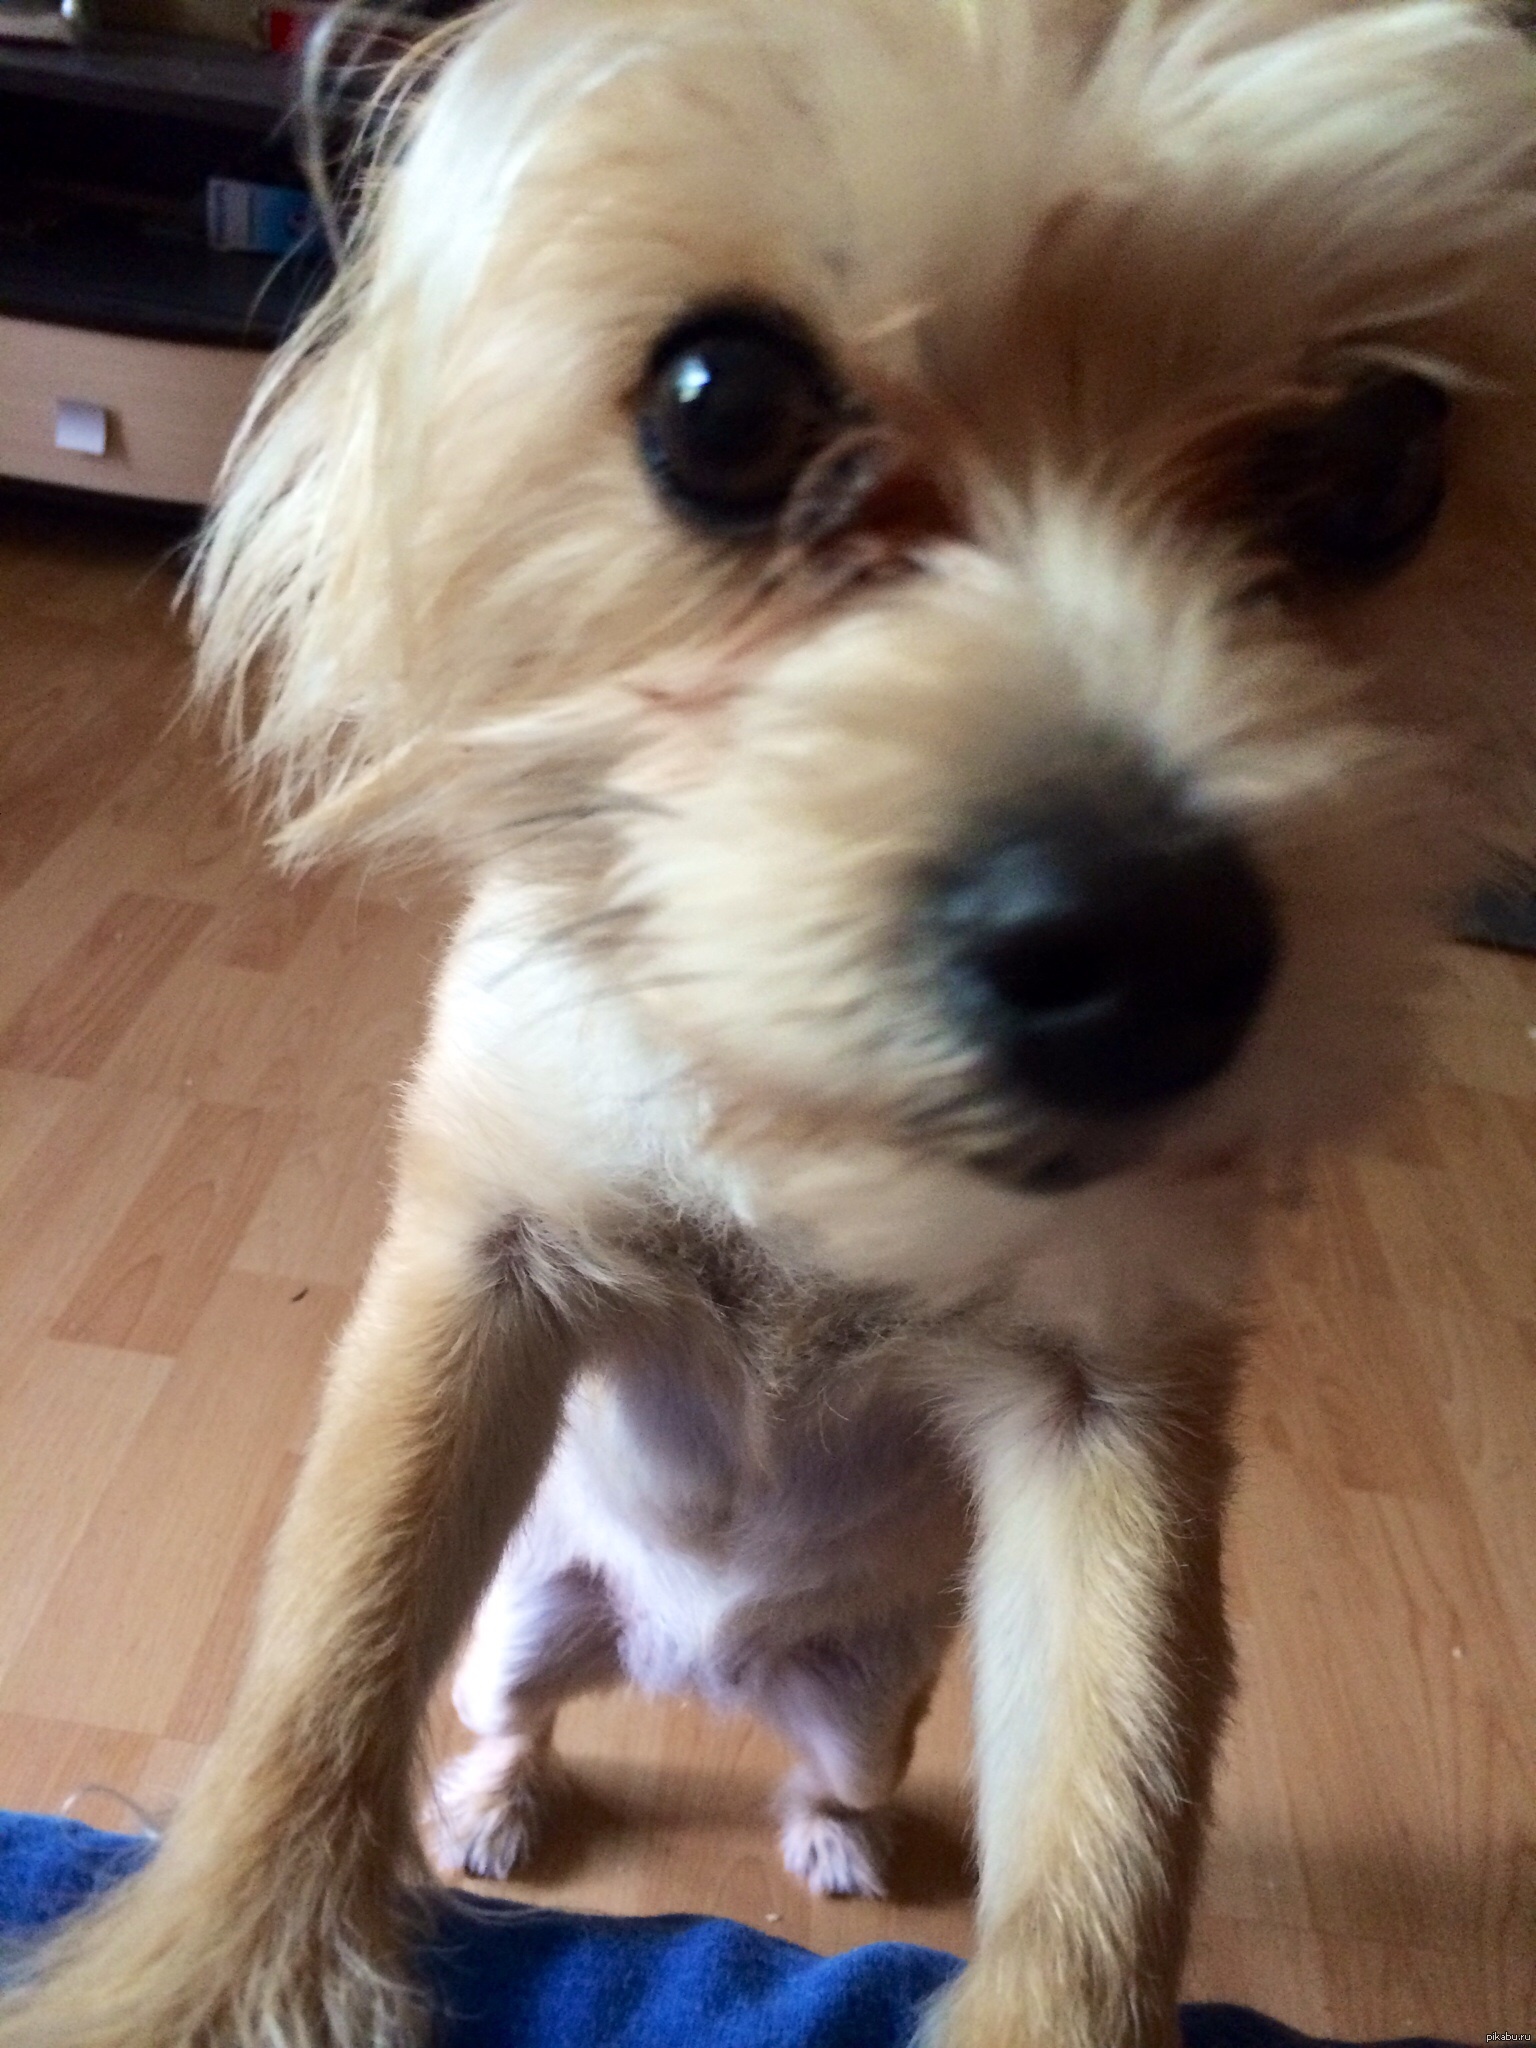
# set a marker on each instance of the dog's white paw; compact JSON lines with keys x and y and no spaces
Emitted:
{"x":836,"y":1855}
{"x":487,"y":1809}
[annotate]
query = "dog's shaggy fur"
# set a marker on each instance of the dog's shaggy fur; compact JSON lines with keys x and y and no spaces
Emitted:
{"x":696,"y":1155}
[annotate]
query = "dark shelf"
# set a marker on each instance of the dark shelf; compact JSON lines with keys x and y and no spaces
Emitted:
{"x":169,"y":289}
{"x":143,"y":74}
{"x":105,"y":156}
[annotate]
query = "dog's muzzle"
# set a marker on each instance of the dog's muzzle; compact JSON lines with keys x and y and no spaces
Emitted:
{"x":1106,"y":955}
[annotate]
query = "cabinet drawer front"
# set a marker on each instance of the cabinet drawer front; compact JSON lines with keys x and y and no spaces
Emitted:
{"x":171,"y":408}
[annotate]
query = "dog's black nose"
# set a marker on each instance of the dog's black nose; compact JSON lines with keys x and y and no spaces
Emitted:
{"x":1108,"y":958}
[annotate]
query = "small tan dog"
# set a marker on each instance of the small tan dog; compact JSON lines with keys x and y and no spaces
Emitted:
{"x":958,"y":576}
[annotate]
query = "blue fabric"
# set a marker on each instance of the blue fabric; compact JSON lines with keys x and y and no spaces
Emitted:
{"x":515,"y":1977}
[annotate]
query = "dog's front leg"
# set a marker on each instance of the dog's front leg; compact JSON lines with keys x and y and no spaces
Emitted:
{"x":1101,"y":1668}
{"x":272,"y":1916}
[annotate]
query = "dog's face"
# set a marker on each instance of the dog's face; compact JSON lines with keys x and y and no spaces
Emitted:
{"x":993,"y":539}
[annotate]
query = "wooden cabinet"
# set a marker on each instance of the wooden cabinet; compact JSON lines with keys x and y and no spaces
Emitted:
{"x":118,"y":301}
{"x":169,"y":409}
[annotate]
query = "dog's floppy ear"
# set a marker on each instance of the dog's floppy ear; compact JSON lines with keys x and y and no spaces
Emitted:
{"x":297,"y":603}
{"x":291,"y":609}
{"x":325,"y":574}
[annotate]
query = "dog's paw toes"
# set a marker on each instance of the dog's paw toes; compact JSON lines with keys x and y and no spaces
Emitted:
{"x":836,"y":1855}
{"x":487,"y":1821}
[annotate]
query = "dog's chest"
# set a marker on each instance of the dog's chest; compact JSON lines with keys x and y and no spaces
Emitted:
{"x":777,"y":1477}
{"x":718,"y":1544}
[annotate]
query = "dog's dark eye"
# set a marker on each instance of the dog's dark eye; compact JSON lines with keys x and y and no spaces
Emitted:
{"x":1351,"y":493}
{"x":734,"y":405}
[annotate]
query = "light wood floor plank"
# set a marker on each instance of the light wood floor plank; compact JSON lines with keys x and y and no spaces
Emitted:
{"x":118,"y":1637}
{"x":72,"y":1022}
{"x":77,"y":1188}
{"x":30,"y":1105}
{"x":70,"y":1415}
{"x":152,"y":1279}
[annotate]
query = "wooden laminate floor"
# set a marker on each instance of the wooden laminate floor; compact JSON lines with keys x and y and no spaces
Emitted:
{"x":196,"y":1067}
